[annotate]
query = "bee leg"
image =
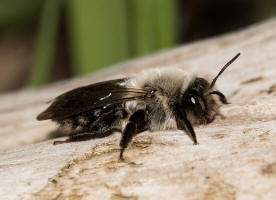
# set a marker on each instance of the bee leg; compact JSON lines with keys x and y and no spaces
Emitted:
{"x":59,"y":142}
{"x":184,"y":124}
{"x":83,"y":136}
{"x":137,"y":124}
{"x":129,"y":132}
{"x":93,"y":135}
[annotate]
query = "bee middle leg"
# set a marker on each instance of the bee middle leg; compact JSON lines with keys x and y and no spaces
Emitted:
{"x":137,"y":123}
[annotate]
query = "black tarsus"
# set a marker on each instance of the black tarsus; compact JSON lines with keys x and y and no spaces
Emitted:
{"x":137,"y":124}
{"x":184,"y":124}
{"x":83,"y":136}
{"x":224,"y":68}
{"x":191,"y":132}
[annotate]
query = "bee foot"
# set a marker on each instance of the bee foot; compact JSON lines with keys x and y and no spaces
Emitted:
{"x":59,"y":142}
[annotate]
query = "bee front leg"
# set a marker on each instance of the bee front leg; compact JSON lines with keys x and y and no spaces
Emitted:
{"x":137,"y":124}
{"x":184,"y":124}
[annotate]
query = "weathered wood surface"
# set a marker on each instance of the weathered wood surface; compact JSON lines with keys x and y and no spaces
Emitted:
{"x":236,"y":158}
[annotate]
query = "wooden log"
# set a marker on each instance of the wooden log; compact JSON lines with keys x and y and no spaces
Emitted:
{"x":236,"y":158}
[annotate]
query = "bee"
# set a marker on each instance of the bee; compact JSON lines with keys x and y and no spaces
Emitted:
{"x":156,"y":99}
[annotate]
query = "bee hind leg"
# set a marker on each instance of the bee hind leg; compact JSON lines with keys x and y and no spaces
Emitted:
{"x":137,"y":124}
{"x":83,"y":136}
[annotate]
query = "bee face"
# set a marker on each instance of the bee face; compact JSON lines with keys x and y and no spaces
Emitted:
{"x":200,"y":105}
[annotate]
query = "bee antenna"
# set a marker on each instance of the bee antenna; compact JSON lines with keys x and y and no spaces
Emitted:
{"x":222,"y":70}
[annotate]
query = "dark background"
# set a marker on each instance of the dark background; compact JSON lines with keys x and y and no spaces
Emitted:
{"x":42,"y":41}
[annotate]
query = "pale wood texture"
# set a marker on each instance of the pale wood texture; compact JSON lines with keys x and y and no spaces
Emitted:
{"x":236,"y":158}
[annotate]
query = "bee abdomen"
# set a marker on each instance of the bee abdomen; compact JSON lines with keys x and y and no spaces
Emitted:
{"x":98,"y":120}
{"x":78,"y":123}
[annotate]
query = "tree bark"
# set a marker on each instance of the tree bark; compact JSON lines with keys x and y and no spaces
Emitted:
{"x":236,"y":157}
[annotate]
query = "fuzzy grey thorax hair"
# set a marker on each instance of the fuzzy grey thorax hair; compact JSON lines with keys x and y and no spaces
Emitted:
{"x":168,"y":79}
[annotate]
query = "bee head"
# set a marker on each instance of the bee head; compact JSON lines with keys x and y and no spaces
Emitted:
{"x":198,"y":99}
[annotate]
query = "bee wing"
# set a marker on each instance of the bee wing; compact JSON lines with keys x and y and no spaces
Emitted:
{"x":91,"y":97}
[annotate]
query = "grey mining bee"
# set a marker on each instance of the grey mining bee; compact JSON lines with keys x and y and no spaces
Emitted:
{"x":156,"y":99}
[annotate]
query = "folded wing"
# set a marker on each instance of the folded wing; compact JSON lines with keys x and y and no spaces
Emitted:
{"x":91,"y":97}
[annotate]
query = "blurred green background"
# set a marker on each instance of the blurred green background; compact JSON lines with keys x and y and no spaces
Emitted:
{"x":42,"y":41}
